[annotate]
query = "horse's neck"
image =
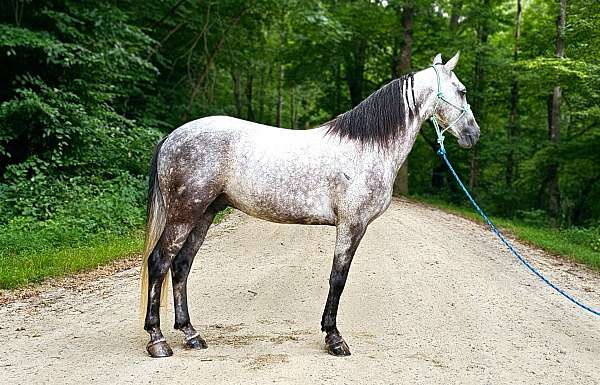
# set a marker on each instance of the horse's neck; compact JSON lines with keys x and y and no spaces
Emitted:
{"x":425,"y":99}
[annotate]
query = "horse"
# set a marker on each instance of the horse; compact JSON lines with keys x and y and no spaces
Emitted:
{"x":340,"y":174}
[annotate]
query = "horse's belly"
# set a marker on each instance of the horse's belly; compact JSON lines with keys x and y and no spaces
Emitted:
{"x":281,"y":176}
{"x":282,"y":199}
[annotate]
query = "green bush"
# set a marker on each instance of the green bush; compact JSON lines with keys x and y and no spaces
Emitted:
{"x":587,"y":237}
{"x":86,"y":220}
{"x":110,"y":207}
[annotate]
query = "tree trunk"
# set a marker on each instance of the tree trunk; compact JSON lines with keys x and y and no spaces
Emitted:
{"x":237,"y":92}
{"x":355,"y":72}
{"x":170,"y":12}
{"x":292,"y":109}
{"x":438,"y":173}
{"x":580,"y":203}
{"x":338,"y":89}
{"x":406,"y":17}
{"x":483,"y":31}
{"x":439,"y":169}
{"x":395,"y":59}
{"x":455,"y":16}
{"x":249,"y":108}
{"x":209,"y":61}
{"x":513,"y":124}
{"x":404,"y":65}
{"x":261,"y":96}
{"x":554,"y":121}
{"x":279,"y":96}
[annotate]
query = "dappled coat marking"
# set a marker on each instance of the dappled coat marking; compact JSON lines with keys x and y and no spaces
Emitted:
{"x":340,"y":173}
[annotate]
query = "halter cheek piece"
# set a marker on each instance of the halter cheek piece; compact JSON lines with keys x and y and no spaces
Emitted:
{"x":434,"y":119}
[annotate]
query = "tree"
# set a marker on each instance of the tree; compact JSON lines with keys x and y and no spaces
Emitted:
{"x":482,"y":30}
{"x":512,"y":130}
{"x":554,"y":103}
{"x":404,"y":65}
{"x":86,"y":88}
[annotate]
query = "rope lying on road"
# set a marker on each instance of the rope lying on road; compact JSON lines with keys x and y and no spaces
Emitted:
{"x":513,"y":250}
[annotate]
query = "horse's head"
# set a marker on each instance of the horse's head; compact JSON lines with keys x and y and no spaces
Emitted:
{"x":452,"y":109}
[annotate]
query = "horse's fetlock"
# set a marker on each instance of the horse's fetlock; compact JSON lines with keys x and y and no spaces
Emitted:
{"x":328,"y":324}
{"x":151,"y":324}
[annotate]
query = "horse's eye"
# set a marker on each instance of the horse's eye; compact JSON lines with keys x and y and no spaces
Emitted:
{"x":463,"y":91}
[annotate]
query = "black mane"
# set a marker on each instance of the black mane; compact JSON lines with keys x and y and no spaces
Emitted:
{"x":380,"y":118}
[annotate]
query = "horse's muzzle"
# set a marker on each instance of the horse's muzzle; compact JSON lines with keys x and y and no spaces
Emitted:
{"x":469,"y":136}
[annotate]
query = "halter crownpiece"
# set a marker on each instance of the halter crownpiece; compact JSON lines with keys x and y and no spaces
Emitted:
{"x":440,"y":96}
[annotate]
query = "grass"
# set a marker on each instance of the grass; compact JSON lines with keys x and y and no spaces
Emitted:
{"x":221,"y":215}
{"x":32,"y":255}
{"x":580,"y":245}
{"x":32,"y":266}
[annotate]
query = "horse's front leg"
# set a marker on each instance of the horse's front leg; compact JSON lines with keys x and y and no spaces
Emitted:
{"x":348,"y":238}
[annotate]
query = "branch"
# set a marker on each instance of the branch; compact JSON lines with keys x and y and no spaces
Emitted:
{"x":215,"y":51}
{"x":168,"y":35}
{"x":169,"y":13}
{"x":196,"y":40}
{"x":580,"y":133}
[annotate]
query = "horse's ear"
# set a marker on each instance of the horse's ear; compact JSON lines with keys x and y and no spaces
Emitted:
{"x":437,"y":59}
{"x":452,"y":62}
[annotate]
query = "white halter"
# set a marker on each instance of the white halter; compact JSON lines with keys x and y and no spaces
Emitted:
{"x":440,"y":96}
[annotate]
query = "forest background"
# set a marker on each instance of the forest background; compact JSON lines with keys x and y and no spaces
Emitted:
{"x":88,"y":87}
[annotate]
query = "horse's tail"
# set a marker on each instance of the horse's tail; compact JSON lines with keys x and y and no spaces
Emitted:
{"x":154,"y":228}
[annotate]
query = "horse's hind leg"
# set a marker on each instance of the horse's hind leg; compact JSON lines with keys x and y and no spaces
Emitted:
{"x":159,"y":261}
{"x":180,"y":269}
{"x":348,"y":239}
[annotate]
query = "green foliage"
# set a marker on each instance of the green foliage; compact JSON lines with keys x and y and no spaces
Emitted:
{"x":74,"y":138}
{"x":87,"y":88}
{"x":66,"y":131}
{"x":578,"y":244}
{"x":86,"y":223}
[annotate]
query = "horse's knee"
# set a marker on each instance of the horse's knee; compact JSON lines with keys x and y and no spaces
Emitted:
{"x":180,"y":270}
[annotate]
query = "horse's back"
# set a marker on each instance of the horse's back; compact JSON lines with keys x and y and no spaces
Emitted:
{"x":269,"y":172}
{"x":281,"y":175}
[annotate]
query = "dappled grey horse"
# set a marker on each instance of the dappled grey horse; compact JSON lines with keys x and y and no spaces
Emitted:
{"x":340,"y":174}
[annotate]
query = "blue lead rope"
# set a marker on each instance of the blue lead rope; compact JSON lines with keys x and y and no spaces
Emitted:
{"x":442,"y":152}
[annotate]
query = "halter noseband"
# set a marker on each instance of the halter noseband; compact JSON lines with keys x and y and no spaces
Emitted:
{"x":440,"y":96}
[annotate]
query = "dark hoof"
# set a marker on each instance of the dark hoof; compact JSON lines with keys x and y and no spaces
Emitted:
{"x":339,"y":349}
{"x":195,"y":343}
{"x":336,"y":345}
{"x":159,"y":349}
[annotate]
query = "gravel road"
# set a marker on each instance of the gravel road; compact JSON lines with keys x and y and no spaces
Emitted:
{"x":431,"y":299}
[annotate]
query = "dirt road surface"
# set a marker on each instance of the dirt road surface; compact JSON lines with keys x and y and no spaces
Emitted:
{"x":431,"y":299}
